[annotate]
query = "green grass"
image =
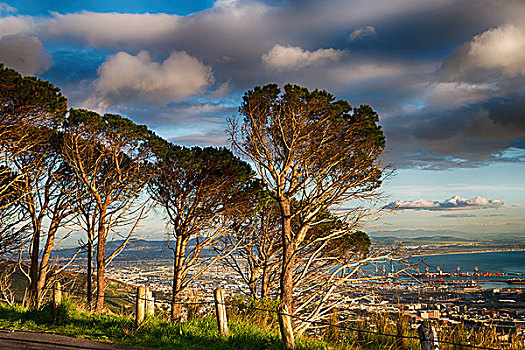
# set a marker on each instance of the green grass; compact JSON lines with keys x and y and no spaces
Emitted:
{"x":248,"y":329}
{"x":154,"y":333}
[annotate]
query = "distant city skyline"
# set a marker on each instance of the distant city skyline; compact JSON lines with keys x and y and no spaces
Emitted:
{"x":446,"y":77}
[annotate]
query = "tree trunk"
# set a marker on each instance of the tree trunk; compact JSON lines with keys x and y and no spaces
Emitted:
{"x":89,"y":275}
{"x":252,"y":283}
{"x":44,"y":264}
{"x":178,"y":266}
{"x":288,"y":255}
{"x":101,"y":269}
{"x":264,"y":282}
{"x":34,"y":293}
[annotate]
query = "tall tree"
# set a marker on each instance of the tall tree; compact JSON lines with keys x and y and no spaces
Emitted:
{"x":307,"y":146}
{"x":196,"y":188}
{"x":256,"y":232}
{"x":108,"y":155}
{"x":44,"y":178}
{"x":31,"y":111}
{"x":14,"y":225}
{"x":25,"y":102}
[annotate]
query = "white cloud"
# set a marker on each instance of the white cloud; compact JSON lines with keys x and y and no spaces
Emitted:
{"x":24,"y":53}
{"x":108,"y":29}
{"x":294,"y":57}
{"x":124,"y":76}
{"x":455,"y":202}
{"x":201,"y":139}
{"x":15,"y":24}
{"x":5,"y":8}
{"x":362,"y":33}
{"x":501,"y":48}
{"x":452,"y":95}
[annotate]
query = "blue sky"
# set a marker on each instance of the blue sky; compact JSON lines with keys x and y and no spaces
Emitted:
{"x":447,"y":78}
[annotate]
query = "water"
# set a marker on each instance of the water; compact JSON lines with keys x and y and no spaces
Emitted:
{"x":504,"y":262}
{"x":510,"y":263}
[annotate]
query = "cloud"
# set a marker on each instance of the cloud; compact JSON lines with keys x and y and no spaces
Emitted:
{"x":15,"y":25}
{"x":501,"y":48}
{"x":294,"y":57}
{"x":362,"y":33}
{"x":455,"y":202}
{"x":110,"y":29}
{"x":126,"y":77}
{"x":26,"y":54}
{"x":202,"y":139}
{"x":5,"y":8}
{"x":453,"y":95}
{"x":462,"y":215}
{"x":460,"y":113}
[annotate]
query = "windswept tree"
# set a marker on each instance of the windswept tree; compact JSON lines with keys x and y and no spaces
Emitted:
{"x":45,"y":176}
{"x":25,"y":102}
{"x":31,"y":112}
{"x":197,"y":189}
{"x":256,"y":231}
{"x":309,"y":148}
{"x":108,"y":155}
{"x":14,"y":225}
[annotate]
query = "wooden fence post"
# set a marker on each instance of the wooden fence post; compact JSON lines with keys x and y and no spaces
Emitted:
{"x":150,"y":303}
{"x":220,"y":309}
{"x":57,"y":298}
{"x":57,"y":294}
{"x":141,"y":305}
{"x":285,"y":324}
{"x":428,"y":336}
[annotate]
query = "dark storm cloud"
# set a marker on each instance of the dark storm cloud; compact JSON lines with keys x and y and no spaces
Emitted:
{"x":467,"y":136}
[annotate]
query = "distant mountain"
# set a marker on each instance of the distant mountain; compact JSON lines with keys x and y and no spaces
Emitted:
{"x":444,"y":236}
{"x":135,"y":250}
{"x":419,"y":233}
{"x":139,"y":249}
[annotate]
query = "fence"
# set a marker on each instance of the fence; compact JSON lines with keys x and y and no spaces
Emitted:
{"x":144,"y":303}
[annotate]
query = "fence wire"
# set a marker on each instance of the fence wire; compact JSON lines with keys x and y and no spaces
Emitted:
{"x":242,"y":306}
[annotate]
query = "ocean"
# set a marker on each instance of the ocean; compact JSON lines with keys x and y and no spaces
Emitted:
{"x":511,"y":263}
{"x":504,"y":262}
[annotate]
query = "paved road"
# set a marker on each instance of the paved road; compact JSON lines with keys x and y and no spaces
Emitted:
{"x":26,"y":340}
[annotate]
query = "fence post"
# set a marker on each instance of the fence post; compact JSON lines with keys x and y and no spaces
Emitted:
{"x":428,"y":336}
{"x":141,"y":305}
{"x":150,"y":303}
{"x":220,"y":309}
{"x":57,"y":298}
{"x":285,"y":324}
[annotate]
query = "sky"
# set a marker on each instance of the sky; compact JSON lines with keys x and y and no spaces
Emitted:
{"x":446,"y":77}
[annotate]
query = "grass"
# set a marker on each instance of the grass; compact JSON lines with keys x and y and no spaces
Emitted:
{"x":154,"y":333}
{"x":248,"y":329}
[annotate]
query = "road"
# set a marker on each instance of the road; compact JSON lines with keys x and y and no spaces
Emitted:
{"x":26,"y":340}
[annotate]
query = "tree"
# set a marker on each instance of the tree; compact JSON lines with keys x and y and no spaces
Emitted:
{"x":308,"y":147}
{"x":24,"y":102}
{"x":197,"y":189}
{"x":44,"y":178}
{"x":256,"y":233}
{"x":109,"y":157}
{"x":14,"y":225}
{"x":31,"y":111}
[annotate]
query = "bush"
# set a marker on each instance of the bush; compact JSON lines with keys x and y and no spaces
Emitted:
{"x":46,"y":314}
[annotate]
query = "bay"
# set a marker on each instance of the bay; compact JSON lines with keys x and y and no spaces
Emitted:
{"x":509,"y":262}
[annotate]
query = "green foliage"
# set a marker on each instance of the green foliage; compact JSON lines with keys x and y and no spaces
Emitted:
{"x":30,"y":98}
{"x":46,"y":314}
{"x":313,"y":131}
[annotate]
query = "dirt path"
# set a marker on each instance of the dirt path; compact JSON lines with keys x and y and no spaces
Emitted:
{"x":18,"y":340}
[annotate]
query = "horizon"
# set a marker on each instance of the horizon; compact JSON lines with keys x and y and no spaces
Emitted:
{"x":446,"y":79}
